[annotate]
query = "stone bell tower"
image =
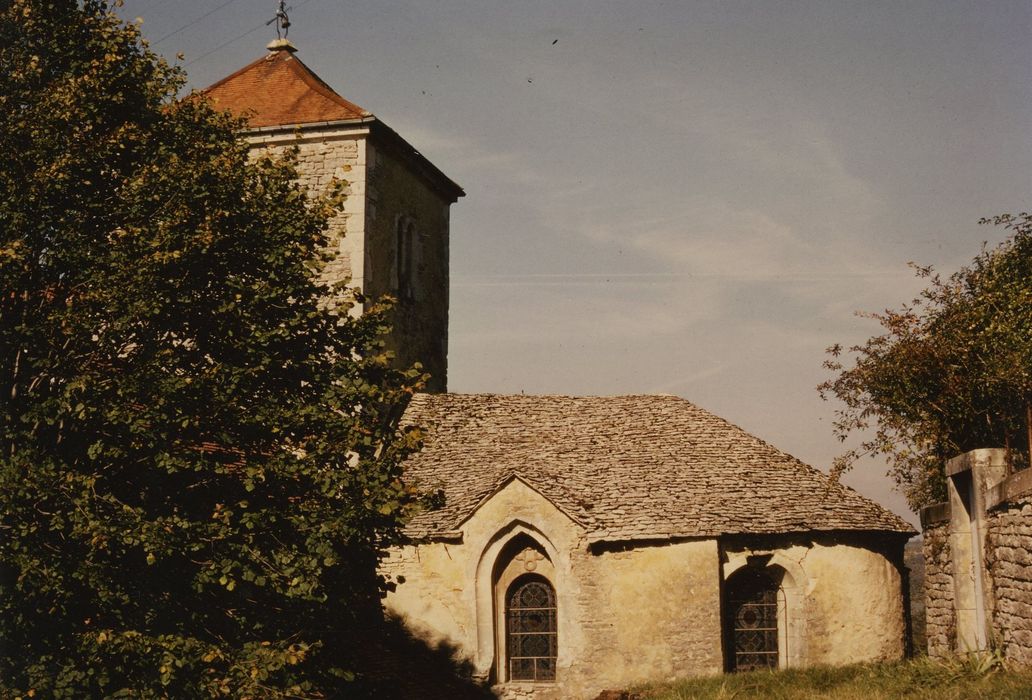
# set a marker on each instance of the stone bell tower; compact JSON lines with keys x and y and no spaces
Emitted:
{"x":392,"y":236}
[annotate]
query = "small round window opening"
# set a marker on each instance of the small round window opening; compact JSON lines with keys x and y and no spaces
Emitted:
{"x":530,"y":630}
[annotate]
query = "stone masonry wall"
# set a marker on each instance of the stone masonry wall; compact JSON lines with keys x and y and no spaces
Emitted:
{"x":633,"y":612}
{"x":1009,"y":559}
{"x":321,"y":158}
{"x":420,"y":323}
{"x":381,"y":188}
{"x":625,"y":615}
{"x":940,"y":618}
{"x":843,"y":594}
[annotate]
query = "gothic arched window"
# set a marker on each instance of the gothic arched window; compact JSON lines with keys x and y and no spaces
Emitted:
{"x":530,"y":630}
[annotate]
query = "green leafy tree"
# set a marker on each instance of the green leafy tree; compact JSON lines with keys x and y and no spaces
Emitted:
{"x":199,"y":455}
{"x":952,"y":372}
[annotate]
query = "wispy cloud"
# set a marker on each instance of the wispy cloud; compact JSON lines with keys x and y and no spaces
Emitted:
{"x":601,"y":316}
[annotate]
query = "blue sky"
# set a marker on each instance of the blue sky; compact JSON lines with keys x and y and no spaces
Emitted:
{"x":682,"y":197}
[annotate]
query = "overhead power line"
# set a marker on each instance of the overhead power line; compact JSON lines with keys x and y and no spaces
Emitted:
{"x":192,"y":23}
{"x":236,"y":38}
{"x":223,"y":45}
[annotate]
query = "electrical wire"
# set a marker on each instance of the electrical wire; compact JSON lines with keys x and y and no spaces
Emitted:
{"x":236,"y":38}
{"x":190,"y":24}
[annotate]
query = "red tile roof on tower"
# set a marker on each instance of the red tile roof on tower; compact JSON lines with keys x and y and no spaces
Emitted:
{"x":279,"y":90}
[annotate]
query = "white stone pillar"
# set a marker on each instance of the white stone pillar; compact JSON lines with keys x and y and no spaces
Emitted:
{"x":969,"y":478}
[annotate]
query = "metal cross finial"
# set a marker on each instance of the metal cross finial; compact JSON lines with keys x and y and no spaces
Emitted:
{"x":281,"y":20}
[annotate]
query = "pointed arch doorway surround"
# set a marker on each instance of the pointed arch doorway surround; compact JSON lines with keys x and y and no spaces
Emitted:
{"x":526,"y":613}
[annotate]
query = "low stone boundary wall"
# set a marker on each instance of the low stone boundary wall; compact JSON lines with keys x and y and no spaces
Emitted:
{"x":1009,"y":555}
{"x":990,"y":520}
{"x":940,"y":620}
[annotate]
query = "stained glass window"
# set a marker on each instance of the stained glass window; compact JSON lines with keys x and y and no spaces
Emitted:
{"x":752,"y":620}
{"x":530,"y":630}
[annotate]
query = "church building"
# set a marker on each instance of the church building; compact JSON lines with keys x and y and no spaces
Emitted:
{"x":584,"y":543}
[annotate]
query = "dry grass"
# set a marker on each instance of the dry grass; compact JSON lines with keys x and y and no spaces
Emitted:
{"x":974,"y":678}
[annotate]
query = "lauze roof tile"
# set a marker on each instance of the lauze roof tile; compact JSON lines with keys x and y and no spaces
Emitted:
{"x":624,"y":467}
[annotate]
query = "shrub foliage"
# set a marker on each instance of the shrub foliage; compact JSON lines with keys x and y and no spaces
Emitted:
{"x":952,"y":372}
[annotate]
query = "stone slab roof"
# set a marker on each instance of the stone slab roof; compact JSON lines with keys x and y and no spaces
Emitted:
{"x":279,"y":90}
{"x":624,"y":467}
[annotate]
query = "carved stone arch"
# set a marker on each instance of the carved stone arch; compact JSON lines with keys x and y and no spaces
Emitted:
{"x":794,"y":577}
{"x":504,"y":558}
{"x":795,"y":585}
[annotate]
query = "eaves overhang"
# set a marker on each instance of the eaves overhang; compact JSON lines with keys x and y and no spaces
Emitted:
{"x":384,"y":136}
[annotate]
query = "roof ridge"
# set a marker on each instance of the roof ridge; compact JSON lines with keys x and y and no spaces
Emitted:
{"x":313,"y":80}
{"x":279,"y":89}
{"x":234,"y":74}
